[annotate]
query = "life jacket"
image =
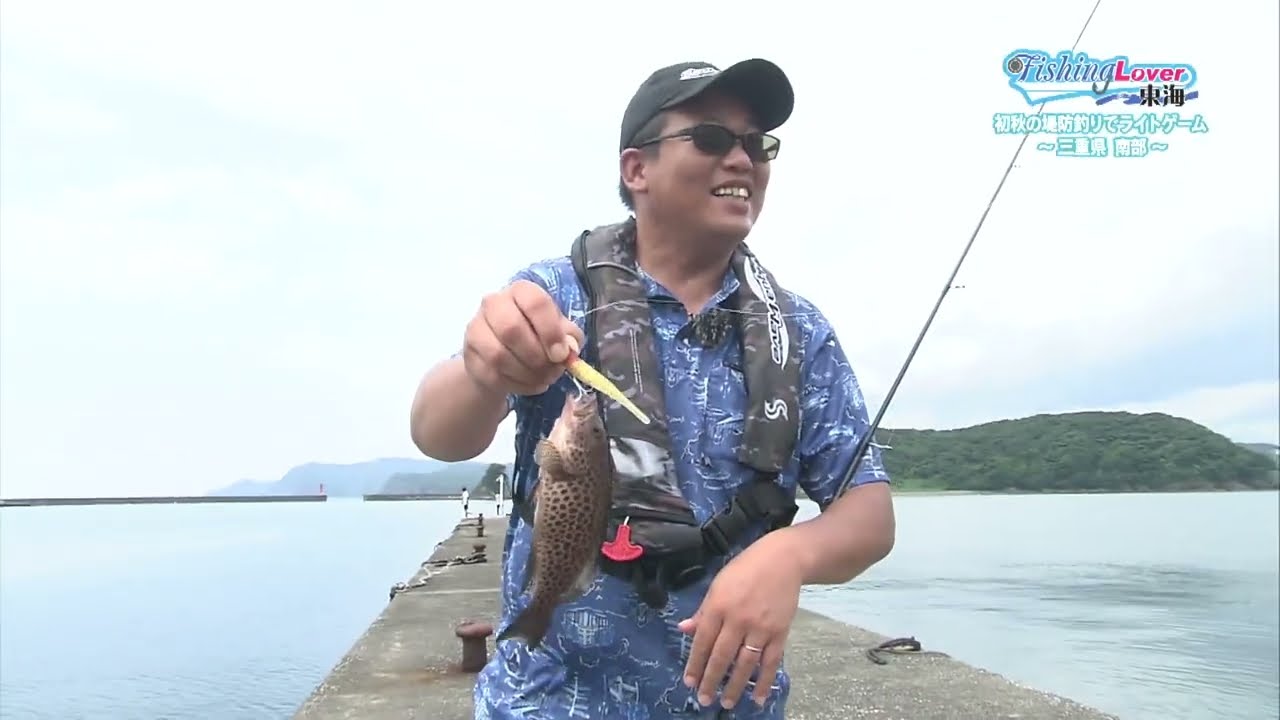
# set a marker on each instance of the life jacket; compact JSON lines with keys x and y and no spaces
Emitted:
{"x":655,"y":540}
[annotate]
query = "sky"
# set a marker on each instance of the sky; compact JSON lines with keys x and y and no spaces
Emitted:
{"x":234,"y":236}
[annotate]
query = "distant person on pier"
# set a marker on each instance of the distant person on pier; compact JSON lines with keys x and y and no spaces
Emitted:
{"x":752,"y":399}
{"x":466,"y":500}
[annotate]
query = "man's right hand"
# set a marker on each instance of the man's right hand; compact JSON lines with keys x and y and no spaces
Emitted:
{"x":518,"y":342}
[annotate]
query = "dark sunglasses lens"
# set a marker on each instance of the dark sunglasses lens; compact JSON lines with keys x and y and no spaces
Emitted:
{"x":768,"y":147}
{"x":712,"y":139}
{"x":719,"y":140}
{"x":760,"y":147}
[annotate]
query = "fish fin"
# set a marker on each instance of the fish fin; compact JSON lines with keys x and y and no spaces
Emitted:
{"x":583,"y":582}
{"x":547,"y":455}
{"x":531,"y":624}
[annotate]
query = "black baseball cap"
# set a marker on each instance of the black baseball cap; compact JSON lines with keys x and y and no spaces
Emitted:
{"x":760,"y":84}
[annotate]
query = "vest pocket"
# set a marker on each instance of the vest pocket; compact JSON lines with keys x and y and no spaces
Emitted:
{"x":725,"y":416}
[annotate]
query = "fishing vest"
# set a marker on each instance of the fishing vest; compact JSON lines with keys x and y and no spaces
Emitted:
{"x":654,"y":540}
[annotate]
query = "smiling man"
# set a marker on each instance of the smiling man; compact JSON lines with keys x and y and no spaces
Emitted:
{"x":751,"y":398}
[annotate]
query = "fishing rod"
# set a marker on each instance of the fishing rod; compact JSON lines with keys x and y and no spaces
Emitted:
{"x":861,"y":450}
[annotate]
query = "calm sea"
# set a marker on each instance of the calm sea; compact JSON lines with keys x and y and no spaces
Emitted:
{"x":1148,"y":606}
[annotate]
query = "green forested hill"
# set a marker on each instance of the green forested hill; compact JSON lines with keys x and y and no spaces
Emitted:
{"x":1075,"y":452}
{"x":477,"y":477}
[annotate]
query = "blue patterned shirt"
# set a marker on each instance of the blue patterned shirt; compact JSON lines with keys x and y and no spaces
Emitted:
{"x":608,"y":654}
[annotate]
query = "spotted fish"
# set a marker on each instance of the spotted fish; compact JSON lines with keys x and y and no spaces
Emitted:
{"x":572,"y":500}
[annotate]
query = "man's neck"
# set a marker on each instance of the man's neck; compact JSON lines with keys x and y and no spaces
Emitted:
{"x":691,"y":268}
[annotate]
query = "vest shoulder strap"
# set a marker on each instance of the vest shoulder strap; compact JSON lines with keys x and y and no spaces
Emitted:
{"x":771,"y":364}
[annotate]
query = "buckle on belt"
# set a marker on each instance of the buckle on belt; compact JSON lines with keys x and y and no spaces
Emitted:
{"x":713,"y":535}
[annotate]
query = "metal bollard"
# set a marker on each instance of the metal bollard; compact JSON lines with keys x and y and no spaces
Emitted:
{"x":475,"y":651}
{"x":480,"y":525}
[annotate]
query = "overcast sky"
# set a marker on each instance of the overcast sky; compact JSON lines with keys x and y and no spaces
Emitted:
{"x":235,"y":234}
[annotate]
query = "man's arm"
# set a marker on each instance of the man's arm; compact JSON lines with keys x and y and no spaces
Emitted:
{"x":453,"y":418}
{"x":856,"y":530}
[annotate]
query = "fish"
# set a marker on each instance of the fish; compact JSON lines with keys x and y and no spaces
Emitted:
{"x":594,"y":379}
{"x":571,"y":514}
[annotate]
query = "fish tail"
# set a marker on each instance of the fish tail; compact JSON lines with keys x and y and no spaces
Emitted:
{"x":531,"y":624}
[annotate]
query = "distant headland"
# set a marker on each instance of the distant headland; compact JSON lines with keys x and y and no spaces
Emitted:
{"x":1079,"y":452}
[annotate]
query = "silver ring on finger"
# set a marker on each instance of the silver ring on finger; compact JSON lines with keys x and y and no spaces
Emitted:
{"x":752,"y":648}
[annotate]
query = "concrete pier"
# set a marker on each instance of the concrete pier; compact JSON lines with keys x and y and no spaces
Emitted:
{"x":159,"y":500}
{"x":408,"y":664}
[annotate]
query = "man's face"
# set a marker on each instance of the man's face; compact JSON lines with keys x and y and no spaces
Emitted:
{"x":683,"y":186}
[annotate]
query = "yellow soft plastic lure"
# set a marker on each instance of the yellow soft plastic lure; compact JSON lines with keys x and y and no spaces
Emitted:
{"x":591,"y":377}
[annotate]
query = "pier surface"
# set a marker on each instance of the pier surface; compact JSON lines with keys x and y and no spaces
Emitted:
{"x":407,"y":664}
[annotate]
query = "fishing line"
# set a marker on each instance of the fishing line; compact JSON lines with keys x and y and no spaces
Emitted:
{"x":732,"y":311}
{"x":865,"y":442}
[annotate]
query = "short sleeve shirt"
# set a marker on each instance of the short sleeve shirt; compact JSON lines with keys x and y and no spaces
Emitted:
{"x":607,"y":654}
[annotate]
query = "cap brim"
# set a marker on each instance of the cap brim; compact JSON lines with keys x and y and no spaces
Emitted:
{"x":758,"y":83}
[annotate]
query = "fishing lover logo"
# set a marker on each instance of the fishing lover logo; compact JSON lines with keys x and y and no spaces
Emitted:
{"x":1143,"y":101}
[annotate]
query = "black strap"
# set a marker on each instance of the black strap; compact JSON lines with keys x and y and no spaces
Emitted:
{"x":760,"y":500}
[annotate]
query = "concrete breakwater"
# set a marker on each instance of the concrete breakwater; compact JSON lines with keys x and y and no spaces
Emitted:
{"x":419,"y":657}
{"x":382,"y":497}
{"x":159,"y":500}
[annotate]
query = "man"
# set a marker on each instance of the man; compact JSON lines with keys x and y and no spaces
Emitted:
{"x":746,"y":399}
{"x":466,"y":503}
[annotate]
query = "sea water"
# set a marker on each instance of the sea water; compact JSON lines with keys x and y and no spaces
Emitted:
{"x":1147,"y":606}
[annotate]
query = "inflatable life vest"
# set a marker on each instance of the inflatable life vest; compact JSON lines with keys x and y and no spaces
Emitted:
{"x":654,"y":540}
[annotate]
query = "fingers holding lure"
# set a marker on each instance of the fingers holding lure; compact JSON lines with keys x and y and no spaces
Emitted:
{"x":584,"y":374}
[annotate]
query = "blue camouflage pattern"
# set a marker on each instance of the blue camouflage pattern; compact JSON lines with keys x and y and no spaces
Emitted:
{"x":607,"y":654}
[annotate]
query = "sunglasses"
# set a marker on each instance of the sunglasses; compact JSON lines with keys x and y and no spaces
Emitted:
{"x":718,"y":140}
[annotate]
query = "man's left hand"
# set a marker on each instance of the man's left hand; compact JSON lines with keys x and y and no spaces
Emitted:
{"x":744,"y":621}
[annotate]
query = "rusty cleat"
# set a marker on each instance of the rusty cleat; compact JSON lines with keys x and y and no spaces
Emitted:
{"x":475,"y":651}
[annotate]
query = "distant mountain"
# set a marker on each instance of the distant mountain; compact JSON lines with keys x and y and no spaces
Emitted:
{"x":339,"y":480}
{"x":1270,"y":450}
{"x":479,"y":478}
{"x":449,"y":479}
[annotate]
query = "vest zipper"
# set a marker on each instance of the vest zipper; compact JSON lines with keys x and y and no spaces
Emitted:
{"x":642,"y":514}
